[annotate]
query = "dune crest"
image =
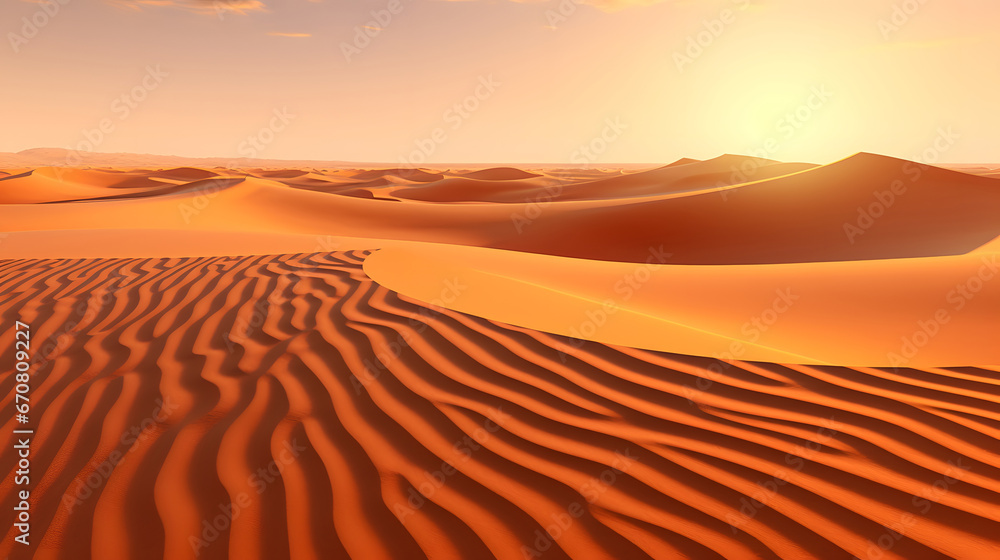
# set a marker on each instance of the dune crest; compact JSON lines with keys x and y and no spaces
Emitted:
{"x":894,"y":313}
{"x":866,"y":207}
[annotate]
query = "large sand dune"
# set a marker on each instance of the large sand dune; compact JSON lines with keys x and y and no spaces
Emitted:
{"x":328,"y":361}
{"x":865,"y":207}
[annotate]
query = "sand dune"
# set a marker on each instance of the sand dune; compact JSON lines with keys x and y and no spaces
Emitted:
{"x":295,"y":363}
{"x":839,"y":212}
{"x":684,"y":175}
{"x":501,"y":174}
{"x":60,"y":157}
{"x":889,"y":313}
{"x":58,"y":185}
{"x":245,"y":360}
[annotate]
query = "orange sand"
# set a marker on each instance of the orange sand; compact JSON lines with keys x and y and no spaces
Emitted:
{"x":334,"y":362}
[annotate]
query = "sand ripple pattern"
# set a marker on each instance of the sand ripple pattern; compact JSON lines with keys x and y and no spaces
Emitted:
{"x":289,"y":407}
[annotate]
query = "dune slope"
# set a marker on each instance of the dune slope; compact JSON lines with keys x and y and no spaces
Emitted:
{"x":891,"y":313}
{"x":863,"y":208}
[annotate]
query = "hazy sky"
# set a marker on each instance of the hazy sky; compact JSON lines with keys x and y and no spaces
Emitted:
{"x":503,"y":81}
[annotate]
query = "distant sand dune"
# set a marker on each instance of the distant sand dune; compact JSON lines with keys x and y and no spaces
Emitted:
{"x":501,"y":174}
{"x":866,"y":207}
{"x":466,"y":439}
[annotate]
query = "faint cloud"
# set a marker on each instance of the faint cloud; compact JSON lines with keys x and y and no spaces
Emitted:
{"x":205,"y":7}
{"x":296,"y":35}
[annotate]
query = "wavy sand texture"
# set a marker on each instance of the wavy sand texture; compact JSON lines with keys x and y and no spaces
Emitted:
{"x":308,"y":412}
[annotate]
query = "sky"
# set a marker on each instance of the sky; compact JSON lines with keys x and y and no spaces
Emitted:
{"x":504,"y":81}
